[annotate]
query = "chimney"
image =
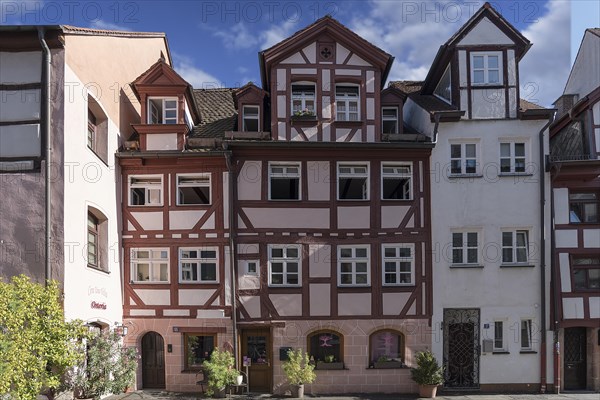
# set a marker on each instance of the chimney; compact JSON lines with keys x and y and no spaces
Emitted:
{"x":564,"y":103}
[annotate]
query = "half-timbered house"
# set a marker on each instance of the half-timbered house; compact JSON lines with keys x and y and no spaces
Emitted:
{"x":331,"y":217}
{"x":575,"y":161}
{"x":489,"y":209}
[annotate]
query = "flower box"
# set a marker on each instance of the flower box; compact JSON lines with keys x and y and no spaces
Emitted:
{"x":329,"y":365}
{"x":304,"y":117}
{"x":387,"y":364}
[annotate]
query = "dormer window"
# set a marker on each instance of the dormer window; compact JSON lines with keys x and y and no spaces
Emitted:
{"x":162,"y":110}
{"x":251,"y":118}
{"x":389,"y":120}
{"x":347,"y":102}
{"x":486,"y":68}
{"x":303,"y":98}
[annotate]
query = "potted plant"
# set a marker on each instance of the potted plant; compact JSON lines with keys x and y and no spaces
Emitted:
{"x":221,"y":372}
{"x":385,"y":362}
{"x":298,"y":370}
{"x":108,"y":367}
{"x":428,"y":374}
{"x":304,"y":115}
{"x":330,"y":363}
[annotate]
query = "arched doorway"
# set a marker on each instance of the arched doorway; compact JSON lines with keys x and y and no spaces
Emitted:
{"x":153,"y":361}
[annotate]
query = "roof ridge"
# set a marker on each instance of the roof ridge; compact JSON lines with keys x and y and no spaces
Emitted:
{"x":109,"y":32}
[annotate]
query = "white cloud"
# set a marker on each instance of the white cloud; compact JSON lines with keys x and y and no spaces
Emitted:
{"x":237,"y":37}
{"x":545,"y":68}
{"x":196,"y":77}
{"x":412,"y":32}
{"x":100,"y":24}
{"x":240,"y":37}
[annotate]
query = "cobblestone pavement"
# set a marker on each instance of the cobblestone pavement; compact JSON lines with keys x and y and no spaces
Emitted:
{"x":162,"y":395}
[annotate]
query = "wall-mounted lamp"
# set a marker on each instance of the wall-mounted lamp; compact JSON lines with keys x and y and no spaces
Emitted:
{"x":121,"y":329}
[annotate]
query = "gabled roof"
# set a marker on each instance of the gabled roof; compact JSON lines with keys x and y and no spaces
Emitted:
{"x":338,"y":32}
{"x":217,"y":108}
{"x":446,"y":50}
{"x":250,"y":87}
{"x":160,"y":74}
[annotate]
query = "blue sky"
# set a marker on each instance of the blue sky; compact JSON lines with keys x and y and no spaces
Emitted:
{"x":215,"y":43}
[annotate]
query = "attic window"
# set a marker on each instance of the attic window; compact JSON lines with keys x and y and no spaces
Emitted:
{"x":251,"y":119}
{"x":486,"y":68}
{"x":162,"y":110}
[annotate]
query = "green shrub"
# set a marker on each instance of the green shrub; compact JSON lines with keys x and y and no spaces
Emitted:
{"x":220,"y":370}
{"x":427,"y":372}
{"x":298,"y":368}
{"x":37,"y":346}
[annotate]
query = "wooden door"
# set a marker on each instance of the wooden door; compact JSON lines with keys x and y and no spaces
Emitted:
{"x":153,"y":361}
{"x":575,"y":359}
{"x":256,"y":345}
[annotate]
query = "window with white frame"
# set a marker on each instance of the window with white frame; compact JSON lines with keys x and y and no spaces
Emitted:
{"x":193,"y":189}
{"x":515,"y":246}
{"x":486,"y":68}
{"x":499,"y":343}
{"x":162,"y":110}
{"x":284,"y":265}
{"x":250,"y":119}
{"x":145,"y":190}
{"x":526,"y":335}
{"x":284,"y":181}
{"x":398,"y":264}
{"x":463,"y":158}
{"x":347,"y":102}
{"x":149,"y":265}
{"x":198,"y":265}
{"x":512,"y":157}
{"x":353,"y":181}
{"x":396,"y":181}
{"x":389,"y":120}
{"x":303,"y":98}
{"x":353,"y":266}
{"x":465,"y":248}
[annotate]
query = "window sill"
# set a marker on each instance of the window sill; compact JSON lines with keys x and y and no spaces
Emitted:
{"x":271,"y":286}
{"x":192,"y":370}
{"x":334,"y":366}
{"x":463,"y":176}
{"x":508,"y":174}
{"x":285,"y":200}
{"x":527,"y":352}
{"x":398,"y":285}
{"x":353,"y":286}
{"x":500,"y":352}
{"x":348,"y":123}
{"x":98,"y":155}
{"x":199,"y":283}
{"x":522,"y":265}
{"x":349,"y":200}
{"x":398,"y":200}
{"x":98,"y":269}
{"x":467,"y":266}
{"x":149,"y":283}
{"x":194,"y":205}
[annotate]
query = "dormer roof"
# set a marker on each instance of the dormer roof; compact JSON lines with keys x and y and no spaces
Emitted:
{"x":162,"y":76}
{"x":337,"y":32}
{"x":446,"y":50}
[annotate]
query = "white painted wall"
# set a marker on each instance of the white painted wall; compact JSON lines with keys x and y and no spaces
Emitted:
{"x":585,"y":75}
{"x":486,"y":204}
{"x":89,"y":182}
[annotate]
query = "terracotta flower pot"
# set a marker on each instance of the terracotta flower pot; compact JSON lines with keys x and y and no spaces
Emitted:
{"x":428,"y":391}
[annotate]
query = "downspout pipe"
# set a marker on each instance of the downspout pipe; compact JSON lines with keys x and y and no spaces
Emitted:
{"x":542,"y":174}
{"x":232,"y":258}
{"x":47,"y":135}
{"x":555,"y":290}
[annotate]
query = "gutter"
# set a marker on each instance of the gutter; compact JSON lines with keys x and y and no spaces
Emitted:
{"x":543,"y":253}
{"x":47,"y":134}
{"x":232,"y":259}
